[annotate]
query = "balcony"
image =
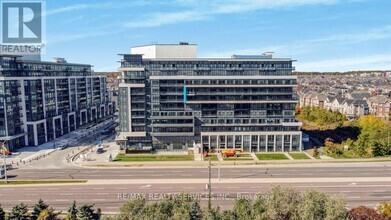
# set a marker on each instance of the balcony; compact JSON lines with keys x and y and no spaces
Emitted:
{"x":168,"y":69}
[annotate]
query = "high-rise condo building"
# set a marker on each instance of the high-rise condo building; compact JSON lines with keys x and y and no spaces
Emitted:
{"x":170,"y":99}
{"x":40,"y":101}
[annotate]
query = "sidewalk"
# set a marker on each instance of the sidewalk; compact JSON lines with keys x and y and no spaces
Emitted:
{"x":26,"y":155}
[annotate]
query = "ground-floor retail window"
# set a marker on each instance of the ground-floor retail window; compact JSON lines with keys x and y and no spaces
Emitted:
{"x":270,"y":143}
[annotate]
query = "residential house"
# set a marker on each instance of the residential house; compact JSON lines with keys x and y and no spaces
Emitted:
{"x":380,"y":106}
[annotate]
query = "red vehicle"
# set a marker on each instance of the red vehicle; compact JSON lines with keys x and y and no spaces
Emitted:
{"x":7,"y":152}
{"x":231,"y":153}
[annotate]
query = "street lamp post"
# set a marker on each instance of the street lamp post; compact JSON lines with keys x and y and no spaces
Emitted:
{"x":5,"y":162}
{"x":5,"y":167}
{"x":210,"y":186}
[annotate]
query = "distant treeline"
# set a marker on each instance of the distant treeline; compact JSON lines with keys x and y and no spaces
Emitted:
{"x":108,"y":74}
{"x":340,"y":73}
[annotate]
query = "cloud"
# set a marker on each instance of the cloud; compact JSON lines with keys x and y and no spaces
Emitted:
{"x":371,"y":62}
{"x":103,"y":5}
{"x":159,"y":19}
{"x":357,"y":37}
{"x":76,"y":7}
{"x":55,"y":39}
{"x":239,"y":6}
{"x":202,"y":10}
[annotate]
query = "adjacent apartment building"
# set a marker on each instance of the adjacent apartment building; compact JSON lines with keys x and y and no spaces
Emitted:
{"x":170,"y":99}
{"x":40,"y":101}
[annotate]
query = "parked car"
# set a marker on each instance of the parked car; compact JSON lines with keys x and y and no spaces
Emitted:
{"x":9,"y":167}
{"x":63,"y":146}
{"x":100,"y":150}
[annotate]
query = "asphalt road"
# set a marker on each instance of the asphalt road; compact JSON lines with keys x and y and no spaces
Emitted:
{"x":373,"y":169}
{"x":110,"y":197}
{"x":362,"y":183}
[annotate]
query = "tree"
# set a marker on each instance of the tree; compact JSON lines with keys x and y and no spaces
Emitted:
{"x":212,"y":213}
{"x":19,"y":212}
{"x":2,"y":214}
{"x":259,"y":206}
{"x":132,"y":209}
{"x":282,"y":203}
{"x":47,"y":214}
{"x":373,"y":136}
{"x":365,"y":213}
{"x":335,"y":208}
{"x":312,"y":205}
{"x":242,"y":209}
{"x":385,"y":208}
{"x":86,"y":212}
{"x":38,"y":208}
{"x":72,"y":212}
{"x":195,"y":211}
{"x":315,"y":152}
{"x":379,"y":149}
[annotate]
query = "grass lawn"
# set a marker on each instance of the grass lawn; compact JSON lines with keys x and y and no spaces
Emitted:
{"x":212,"y":158}
{"x":237,"y":158}
{"x":299,"y":156}
{"x":272,"y":157}
{"x":138,"y":158}
{"x":344,"y":155}
{"x":22,"y":182}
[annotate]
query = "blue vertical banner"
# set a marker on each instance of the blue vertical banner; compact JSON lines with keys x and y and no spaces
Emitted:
{"x":184,"y":94}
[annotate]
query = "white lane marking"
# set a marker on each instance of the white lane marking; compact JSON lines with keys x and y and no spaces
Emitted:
{"x":99,"y":200}
{"x":187,"y":187}
{"x":98,"y":188}
{"x":165,"y":187}
{"x":22,"y":200}
{"x":146,"y":186}
{"x":354,"y":197}
{"x":8,"y":189}
{"x":102,"y":194}
{"x":61,"y":200}
{"x":233,"y":187}
{"x":120,"y":188}
{"x":66,"y":194}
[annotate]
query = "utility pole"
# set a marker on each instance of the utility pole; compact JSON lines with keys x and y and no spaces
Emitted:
{"x":218,"y":169}
{"x":5,"y":163}
{"x":210,"y":186}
